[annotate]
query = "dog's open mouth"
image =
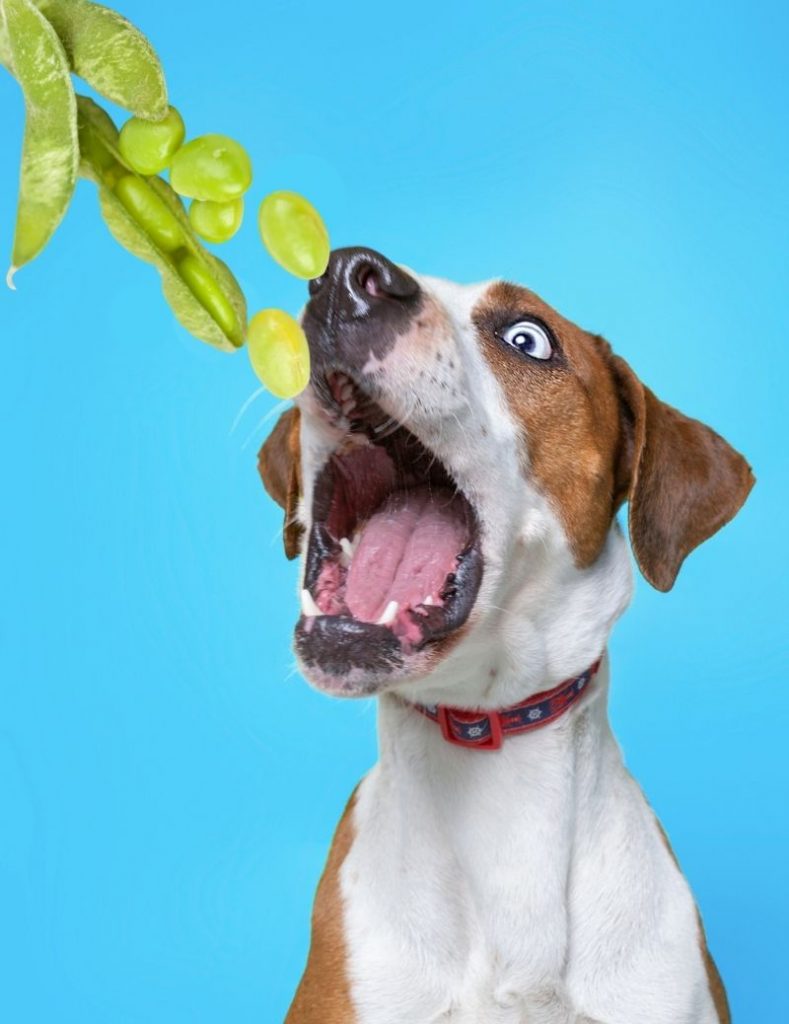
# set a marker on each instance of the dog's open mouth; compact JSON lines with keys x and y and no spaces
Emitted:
{"x":393,"y":558}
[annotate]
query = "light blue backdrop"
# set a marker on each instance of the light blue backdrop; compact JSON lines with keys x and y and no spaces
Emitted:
{"x":168,"y":784}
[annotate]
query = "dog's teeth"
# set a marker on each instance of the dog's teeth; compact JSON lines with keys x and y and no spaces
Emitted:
{"x":346,"y":390}
{"x":389,"y":615}
{"x":347,"y":550}
{"x":429,"y":599}
{"x":309,"y":608}
{"x":348,"y":406}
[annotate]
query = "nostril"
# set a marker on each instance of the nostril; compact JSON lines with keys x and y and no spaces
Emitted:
{"x":370,"y":281}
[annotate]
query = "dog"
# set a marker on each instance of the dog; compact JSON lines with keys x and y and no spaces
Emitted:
{"x":451,"y":478}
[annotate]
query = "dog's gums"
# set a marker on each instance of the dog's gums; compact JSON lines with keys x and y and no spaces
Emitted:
{"x":393,"y":560}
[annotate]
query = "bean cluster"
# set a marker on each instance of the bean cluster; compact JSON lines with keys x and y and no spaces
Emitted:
{"x":42,"y":42}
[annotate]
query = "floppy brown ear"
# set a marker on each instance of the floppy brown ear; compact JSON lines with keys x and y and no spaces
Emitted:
{"x":279,"y":464}
{"x":683,"y":481}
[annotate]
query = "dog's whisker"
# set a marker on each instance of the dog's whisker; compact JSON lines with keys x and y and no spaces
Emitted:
{"x":279,"y":407}
{"x":245,"y":405}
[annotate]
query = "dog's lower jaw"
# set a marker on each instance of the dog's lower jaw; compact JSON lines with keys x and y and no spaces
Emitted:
{"x":538,"y":623}
{"x":537,"y":872}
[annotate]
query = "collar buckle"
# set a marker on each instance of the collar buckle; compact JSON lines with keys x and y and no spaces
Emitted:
{"x":475,"y":720}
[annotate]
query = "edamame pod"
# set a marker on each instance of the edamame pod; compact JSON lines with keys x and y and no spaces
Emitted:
{"x":50,"y":151}
{"x":149,"y":146}
{"x":211,"y":167}
{"x":279,"y":352}
{"x":150,"y":212}
{"x":216,"y":222}
{"x":5,"y":45}
{"x":110,"y":54}
{"x":294,"y":233}
{"x":209,"y":320}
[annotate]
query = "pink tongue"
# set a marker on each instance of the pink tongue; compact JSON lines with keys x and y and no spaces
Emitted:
{"x":406,"y":551}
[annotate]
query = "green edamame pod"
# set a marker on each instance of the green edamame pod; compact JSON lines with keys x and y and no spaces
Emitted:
{"x":221,"y":324}
{"x":110,"y":54}
{"x":5,"y":45}
{"x":50,"y":151}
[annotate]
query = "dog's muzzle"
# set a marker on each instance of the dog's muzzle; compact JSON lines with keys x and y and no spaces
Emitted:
{"x":357,"y":309}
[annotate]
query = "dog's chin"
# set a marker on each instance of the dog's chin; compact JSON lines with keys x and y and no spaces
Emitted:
{"x":393,"y":561}
{"x":360,"y":676}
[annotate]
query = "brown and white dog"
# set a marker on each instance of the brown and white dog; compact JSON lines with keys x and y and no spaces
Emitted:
{"x":452,"y":476}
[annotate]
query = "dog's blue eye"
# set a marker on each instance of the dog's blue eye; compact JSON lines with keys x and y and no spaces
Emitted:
{"x":530,"y":338}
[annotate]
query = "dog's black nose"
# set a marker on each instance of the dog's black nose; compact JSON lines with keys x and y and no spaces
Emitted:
{"x":358,"y":308}
{"x":359,"y":283}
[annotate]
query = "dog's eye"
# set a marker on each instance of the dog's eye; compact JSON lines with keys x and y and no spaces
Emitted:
{"x":530,"y":338}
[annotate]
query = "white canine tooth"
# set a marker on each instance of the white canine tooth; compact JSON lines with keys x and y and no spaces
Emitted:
{"x":346,"y":391}
{"x":429,"y":599}
{"x":347,"y":550}
{"x":389,"y":615}
{"x":308,"y":606}
{"x":348,"y":406}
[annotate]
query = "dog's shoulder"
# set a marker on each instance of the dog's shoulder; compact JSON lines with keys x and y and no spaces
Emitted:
{"x":323,"y":996}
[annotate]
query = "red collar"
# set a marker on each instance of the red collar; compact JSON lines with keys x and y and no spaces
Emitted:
{"x":485,"y":730}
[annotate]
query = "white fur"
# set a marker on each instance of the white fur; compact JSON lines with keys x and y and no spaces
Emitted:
{"x":532,"y":884}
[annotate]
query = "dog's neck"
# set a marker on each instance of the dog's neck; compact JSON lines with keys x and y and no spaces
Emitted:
{"x":555,"y":625}
{"x":482,"y":819}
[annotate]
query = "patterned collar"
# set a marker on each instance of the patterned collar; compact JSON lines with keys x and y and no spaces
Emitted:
{"x":485,"y":730}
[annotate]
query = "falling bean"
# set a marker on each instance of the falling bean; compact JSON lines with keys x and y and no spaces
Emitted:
{"x":216,"y":222}
{"x":50,"y":151}
{"x":211,"y":167}
{"x":149,"y":146}
{"x":150,"y":212}
{"x":200,"y":289}
{"x":278,"y":352}
{"x":110,"y":54}
{"x":294,"y":233}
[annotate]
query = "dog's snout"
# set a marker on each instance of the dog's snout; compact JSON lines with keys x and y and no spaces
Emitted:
{"x":359,"y":282}
{"x":358,"y":308}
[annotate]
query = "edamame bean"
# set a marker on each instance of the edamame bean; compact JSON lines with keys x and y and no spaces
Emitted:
{"x":150,"y":212}
{"x":50,"y":151}
{"x":103,"y":163}
{"x":208,"y":292}
{"x":149,"y":146}
{"x":216,"y":222}
{"x":294,"y":233}
{"x":111,"y":54}
{"x":211,"y":167}
{"x":279,"y":352}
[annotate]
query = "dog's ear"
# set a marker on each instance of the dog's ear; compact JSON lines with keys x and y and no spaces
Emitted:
{"x":279,"y":464}
{"x":683,"y":481}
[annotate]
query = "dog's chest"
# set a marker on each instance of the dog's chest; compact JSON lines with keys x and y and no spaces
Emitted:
{"x":455,"y":901}
{"x":528,"y":887}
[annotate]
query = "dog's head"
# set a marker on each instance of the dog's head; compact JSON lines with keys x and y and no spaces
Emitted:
{"x":462,"y":450}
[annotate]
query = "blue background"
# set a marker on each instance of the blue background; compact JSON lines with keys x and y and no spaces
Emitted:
{"x":168,"y":784}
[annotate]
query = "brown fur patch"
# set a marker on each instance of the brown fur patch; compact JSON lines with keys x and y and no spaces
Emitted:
{"x":596,"y":436}
{"x":569,"y":409}
{"x":279,"y":465}
{"x":717,"y":991}
{"x":324,"y":995}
